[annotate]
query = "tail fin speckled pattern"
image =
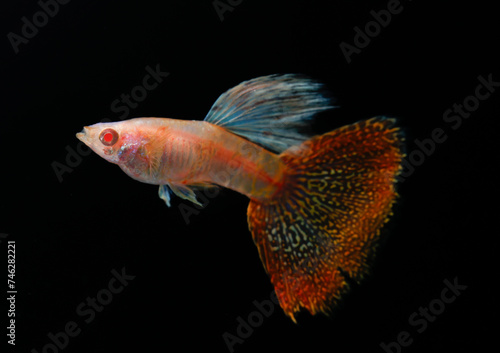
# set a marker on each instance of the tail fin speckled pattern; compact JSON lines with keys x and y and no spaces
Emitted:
{"x":325,"y":223}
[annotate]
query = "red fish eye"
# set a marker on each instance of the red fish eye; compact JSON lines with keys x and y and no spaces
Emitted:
{"x":108,"y":137}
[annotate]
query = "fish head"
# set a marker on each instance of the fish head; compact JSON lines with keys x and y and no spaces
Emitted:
{"x":116,"y":142}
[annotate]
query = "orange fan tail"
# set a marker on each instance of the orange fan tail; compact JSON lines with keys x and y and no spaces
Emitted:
{"x":325,"y":222}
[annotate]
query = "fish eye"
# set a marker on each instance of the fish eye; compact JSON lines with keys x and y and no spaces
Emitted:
{"x":108,"y":137}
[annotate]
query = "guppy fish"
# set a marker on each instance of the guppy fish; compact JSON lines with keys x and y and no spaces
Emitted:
{"x":316,"y":203}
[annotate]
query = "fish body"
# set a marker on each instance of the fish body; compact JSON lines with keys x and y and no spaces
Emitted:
{"x":177,"y":153}
{"x":317,"y":203}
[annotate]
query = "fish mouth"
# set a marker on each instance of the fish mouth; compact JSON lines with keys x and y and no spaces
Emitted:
{"x":82,"y":136}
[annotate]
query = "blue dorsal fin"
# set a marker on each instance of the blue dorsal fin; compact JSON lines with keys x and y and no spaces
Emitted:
{"x":270,"y":110}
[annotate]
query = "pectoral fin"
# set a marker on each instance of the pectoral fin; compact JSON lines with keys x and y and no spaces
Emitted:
{"x":185,"y":192}
{"x":164,"y":192}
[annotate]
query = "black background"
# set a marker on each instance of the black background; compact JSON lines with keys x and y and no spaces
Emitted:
{"x":192,"y":281}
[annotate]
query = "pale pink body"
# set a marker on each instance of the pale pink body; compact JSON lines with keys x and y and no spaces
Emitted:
{"x":198,"y":153}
